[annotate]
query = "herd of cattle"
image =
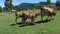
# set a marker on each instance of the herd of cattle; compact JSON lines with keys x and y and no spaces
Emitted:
{"x":45,"y":11}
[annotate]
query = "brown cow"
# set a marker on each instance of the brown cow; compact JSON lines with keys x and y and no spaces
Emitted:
{"x":25,"y":15}
{"x":31,"y":16}
{"x":48,"y":11}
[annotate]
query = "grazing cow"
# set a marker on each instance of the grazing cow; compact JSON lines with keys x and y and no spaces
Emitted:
{"x":48,"y":11}
{"x":25,"y":15}
{"x":31,"y":16}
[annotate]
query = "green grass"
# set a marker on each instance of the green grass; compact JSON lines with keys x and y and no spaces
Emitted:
{"x":51,"y":27}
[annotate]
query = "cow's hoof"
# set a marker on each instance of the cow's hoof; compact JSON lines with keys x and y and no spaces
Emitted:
{"x":32,"y":23}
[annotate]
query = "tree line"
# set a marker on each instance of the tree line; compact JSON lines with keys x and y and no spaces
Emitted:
{"x":8,"y":6}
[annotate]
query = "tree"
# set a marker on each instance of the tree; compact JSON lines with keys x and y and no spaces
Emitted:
{"x":0,"y":9}
{"x":48,"y":2}
{"x":17,"y":8}
{"x":32,"y":6}
{"x":5,"y":9}
{"x":8,"y":4}
{"x":58,"y":4}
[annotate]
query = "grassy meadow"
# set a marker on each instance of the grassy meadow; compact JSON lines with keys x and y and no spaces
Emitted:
{"x":7,"y":25}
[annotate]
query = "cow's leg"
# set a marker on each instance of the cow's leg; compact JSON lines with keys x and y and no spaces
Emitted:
{"x":51,"y":17}
{"x":24,"y":20}
{"x":16,"y":20}
{"x":32,"y":20}
{"x":47,"y":17}
{"x":42,"y":16}
{"x":54,"y":14}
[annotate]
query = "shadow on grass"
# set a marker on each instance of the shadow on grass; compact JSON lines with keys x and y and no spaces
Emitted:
{"x":22,"y":25}
{"x":44,"y":21}
{"x":27,"y":24}
{"x":31,"y":24}
{"x":17,"y":24}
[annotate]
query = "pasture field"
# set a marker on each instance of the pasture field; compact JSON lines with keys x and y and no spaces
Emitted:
{"x":7,"y":25}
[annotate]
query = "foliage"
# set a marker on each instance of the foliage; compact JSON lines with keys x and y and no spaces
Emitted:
{"x":58,"y":4}
{"x":5,"y":9}
{"x":0,"y":9}
{"x":8,"y":3}
{"x":48,"y":2}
